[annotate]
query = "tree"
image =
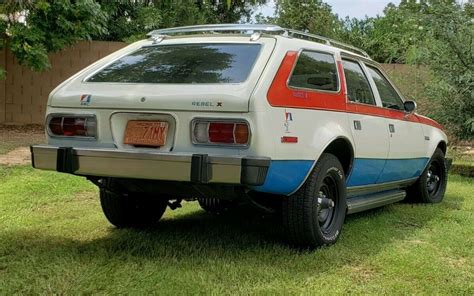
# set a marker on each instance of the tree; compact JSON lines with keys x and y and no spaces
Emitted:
{"x":392,"y":38}
{"x":450,"y":56}
{"x":395,"y":35}
{"x":32,"y":29}
{"x":126,"y":19}
{"x":313,"y":16}
{"x":130,"y":20}
{"x":435,"y":33}
{"x":358,"y":32}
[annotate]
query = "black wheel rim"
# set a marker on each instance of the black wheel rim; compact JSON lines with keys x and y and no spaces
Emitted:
{"x":434,"y":178}
{"x":326,"y":216}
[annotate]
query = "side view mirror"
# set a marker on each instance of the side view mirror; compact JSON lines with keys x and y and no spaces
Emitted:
{"x":410,"y":106}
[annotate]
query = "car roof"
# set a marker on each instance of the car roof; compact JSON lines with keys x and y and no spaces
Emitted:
{"x":255,"y":31}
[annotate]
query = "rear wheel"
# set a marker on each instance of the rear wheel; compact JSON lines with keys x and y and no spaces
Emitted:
{"x":131,"y":210}
{"x":314,"y":215}
{"x":431,"y":185}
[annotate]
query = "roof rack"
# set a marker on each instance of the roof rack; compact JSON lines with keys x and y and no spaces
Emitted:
{"x":328,"y":41}
{"x":219,"y":28}
{"x":160,"y":34}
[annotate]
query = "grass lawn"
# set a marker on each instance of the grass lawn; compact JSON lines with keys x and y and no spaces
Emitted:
{"x":54,"y":240}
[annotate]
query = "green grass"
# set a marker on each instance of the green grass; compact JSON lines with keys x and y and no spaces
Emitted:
{"x":54,"y":240}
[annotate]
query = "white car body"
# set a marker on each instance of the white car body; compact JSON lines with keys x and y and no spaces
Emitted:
{"x":289,"y":127}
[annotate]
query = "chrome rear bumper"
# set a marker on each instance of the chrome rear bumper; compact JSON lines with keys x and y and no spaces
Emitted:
{"x":198,"y":168}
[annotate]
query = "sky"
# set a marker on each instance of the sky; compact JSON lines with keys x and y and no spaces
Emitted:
{"x":359,"y":8}
{"x":351,"y":8}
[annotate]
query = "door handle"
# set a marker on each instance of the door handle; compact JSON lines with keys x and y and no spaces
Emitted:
{"x":357,"y":125}
{"x":391,"y":128}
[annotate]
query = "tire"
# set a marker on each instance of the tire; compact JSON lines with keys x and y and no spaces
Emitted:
{"x":132,"y":210}
{"x":214,"y":205}
{"x":431,"y":185}
{"x":306,"y":223}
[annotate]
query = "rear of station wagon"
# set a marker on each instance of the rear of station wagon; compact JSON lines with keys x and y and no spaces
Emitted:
{"x":290,"y":122}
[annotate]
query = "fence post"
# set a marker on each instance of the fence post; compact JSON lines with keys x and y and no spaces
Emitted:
{"x":2,"y":87}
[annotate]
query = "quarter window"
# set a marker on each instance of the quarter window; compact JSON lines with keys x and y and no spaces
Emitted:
{"x":315,"y":70}
{"x":388,"y":95}
{"x":358,"y":88}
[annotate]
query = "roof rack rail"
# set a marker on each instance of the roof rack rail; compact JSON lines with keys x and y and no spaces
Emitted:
{"x":160,"y":34}
{"x":220,"y":28}
{"x":328,"y":41}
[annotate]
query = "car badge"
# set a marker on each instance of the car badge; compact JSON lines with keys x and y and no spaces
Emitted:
{"x":85,"y":100}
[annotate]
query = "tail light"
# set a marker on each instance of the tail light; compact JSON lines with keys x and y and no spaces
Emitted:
{"x":72,"y":126}
{"x":225,"y":132}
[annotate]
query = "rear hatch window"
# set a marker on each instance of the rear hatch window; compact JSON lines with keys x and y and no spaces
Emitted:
{"x":183,"y":64}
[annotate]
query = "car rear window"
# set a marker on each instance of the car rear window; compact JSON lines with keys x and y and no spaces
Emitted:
{"x":183,"y":63}
{"x":315,"y":70}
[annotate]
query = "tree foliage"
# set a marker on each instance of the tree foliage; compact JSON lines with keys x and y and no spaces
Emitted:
{"x":313,"y":16}
{"x":31,"y":29}
{"x":130,"y":20}
{"x":450,"y":55}
{"x":392,"y":38}
{"x":435,"y":33}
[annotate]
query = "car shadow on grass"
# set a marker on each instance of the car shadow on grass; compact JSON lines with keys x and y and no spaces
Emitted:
{"x":241,"y":236}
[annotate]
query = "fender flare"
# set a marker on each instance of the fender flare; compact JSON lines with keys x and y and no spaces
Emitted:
{"x":318,"y":156}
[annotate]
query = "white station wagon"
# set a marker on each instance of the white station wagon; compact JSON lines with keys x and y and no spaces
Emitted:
{"x":287,"y":121}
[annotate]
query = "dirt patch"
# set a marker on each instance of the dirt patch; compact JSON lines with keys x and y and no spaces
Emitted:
{"x":362,"y":274}
{"x":456,"y":262}
{"x":463,"y":149}
{"x":470,"y":152}
{"x":18,"y":156}
{"x":15,"y":136}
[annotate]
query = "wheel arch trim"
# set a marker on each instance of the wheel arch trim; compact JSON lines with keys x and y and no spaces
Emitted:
{"x":443,"y":145}
{"x":330,"y":142}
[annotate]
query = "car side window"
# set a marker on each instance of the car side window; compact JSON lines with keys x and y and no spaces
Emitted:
{"x":315,"y":70}
{"x":358,"y":88}
{"x":388,"y":95}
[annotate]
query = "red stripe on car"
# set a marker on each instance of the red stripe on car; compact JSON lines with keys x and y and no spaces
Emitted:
{"x":280,"y":95}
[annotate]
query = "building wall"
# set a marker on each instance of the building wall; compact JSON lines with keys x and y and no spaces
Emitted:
{"x":24,"y":94}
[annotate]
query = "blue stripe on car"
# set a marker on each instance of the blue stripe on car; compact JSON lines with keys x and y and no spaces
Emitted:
{"x":365,"y":171}
{"x":285,"y":176}
{"x":368,"y":171}
{"x":399,"y":169}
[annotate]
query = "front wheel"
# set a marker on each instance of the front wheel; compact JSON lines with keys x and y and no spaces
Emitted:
{"x":314,"y":215}
{"x":431,"y":185}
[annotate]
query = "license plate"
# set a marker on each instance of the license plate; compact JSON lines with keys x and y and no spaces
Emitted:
{"x":146,"y":133}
